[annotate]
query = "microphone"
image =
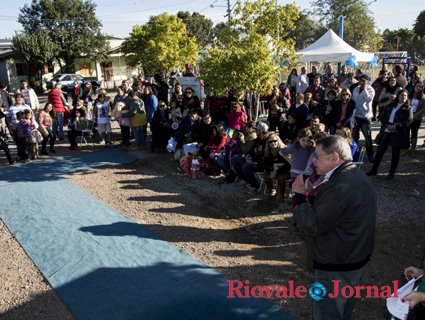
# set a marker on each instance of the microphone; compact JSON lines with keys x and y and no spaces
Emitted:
{"x":307,"y":173}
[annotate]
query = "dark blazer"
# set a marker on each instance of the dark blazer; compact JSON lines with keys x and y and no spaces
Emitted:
{"x":339,"y":237}
{"x":402,"y":120}
{"x":349,"y":114}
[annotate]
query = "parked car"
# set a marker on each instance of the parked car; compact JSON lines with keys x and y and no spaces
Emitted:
{"x":67,"y":81}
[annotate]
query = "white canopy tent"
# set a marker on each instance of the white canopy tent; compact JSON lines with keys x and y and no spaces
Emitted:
{"x":331,"y":48}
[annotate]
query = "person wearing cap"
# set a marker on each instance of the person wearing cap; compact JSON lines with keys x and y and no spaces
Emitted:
{"x":30,"y":96}
{"x":246,"y":166}
{"x":363,"y":97}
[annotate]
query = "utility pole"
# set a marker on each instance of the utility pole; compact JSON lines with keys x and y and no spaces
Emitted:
{"x":228,"y":11}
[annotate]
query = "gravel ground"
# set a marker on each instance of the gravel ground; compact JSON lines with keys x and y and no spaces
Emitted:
{"x":243,"y":237}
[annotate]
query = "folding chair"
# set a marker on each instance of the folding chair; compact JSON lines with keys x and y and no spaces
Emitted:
{"x":362,"y":153}
{"x":86,"y":133}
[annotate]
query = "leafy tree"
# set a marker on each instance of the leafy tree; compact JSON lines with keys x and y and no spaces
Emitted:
{"x":359,"y":25}
{"x":419,"y":26}
{"x":218,"y":30}
{"x":197,"y":26}
{"x":403,"y":40}
{"x":71,"y":25}
{"x":161,"y":45}
{"x":306,"y":31}
{"x":248,"y":55}
{"x":398,"y":40}
{"x":37,"y":50}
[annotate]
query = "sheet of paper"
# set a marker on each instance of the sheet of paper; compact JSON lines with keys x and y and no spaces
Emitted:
{"x":395,"y":306}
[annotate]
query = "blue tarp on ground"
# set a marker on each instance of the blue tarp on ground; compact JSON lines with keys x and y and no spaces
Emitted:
{"x":103,"y":265}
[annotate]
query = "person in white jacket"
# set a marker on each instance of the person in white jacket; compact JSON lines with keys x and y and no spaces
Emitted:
{"x":363,"y":96}
{"x":30,"y":96}
{"x":302,"y":81}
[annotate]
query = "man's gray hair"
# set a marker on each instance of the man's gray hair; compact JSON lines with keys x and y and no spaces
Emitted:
{"x":336,"y":144}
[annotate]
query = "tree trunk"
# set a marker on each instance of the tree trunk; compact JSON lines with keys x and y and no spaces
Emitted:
{"x":257,"y":109}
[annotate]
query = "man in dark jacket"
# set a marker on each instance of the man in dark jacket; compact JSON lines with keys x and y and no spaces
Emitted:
{"x":339,"y":226}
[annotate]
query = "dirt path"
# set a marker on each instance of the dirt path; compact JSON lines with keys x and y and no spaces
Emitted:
{"x":231,"y":231}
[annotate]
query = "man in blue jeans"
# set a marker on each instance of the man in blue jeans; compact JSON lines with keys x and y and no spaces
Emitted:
{"x":247,"y":165}
{"x":363,"y":97}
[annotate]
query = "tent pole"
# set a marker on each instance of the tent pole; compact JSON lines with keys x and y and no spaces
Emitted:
{"x":341,"y":35}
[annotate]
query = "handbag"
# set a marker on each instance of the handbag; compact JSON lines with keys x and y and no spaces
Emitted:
{"x":138,"y":120}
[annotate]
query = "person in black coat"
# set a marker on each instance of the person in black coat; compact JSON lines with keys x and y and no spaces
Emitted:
{"x":160,"y":126}
{"x":345,"y":109}
{"x":299,"y":111}
{"x":395,"y":119}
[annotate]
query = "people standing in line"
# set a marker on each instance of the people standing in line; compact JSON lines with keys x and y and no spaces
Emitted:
{"x":339,"y":226}
{"x":395,"y":120}
{"x":57,"y":99}
{"x":29,"y":95}
{"x":45,"y":121}
{"x":417,"y":102}
{"x":363,"y":96}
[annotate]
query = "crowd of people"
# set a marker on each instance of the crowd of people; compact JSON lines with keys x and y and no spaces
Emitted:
{"x":309,"y":139}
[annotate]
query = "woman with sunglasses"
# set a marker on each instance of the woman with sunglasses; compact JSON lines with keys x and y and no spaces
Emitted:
{"x":190,"y":100}
{"x":160,"y":126}
{"x":395,"y":119}
{"x":276,"y":167}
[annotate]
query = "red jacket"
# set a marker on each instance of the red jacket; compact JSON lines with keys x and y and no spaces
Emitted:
{"x":54,"y":97}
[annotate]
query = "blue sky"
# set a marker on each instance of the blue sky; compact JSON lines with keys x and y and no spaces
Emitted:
{"x":119,"y":16}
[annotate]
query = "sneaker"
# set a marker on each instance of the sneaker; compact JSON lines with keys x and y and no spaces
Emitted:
{"x":102,"y":142}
